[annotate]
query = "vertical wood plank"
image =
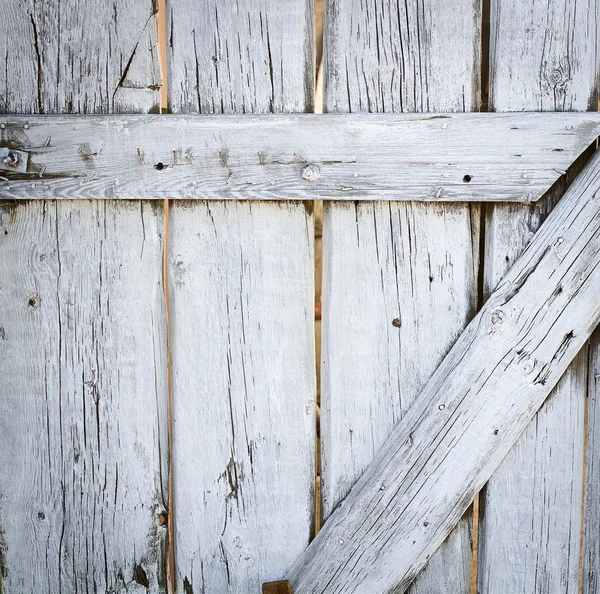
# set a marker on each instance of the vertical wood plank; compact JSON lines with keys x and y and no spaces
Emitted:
{"x":400,"y":279}
{"x":242,"y":314}
{"x":543,"y":58}
{"x":82,"y":325}
{"x":591,"y":547}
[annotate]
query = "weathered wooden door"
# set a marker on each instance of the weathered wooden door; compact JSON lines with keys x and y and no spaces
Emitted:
{"x":158,"y":388}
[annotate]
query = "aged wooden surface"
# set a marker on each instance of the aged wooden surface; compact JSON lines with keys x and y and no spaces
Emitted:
{"x":458,"y":430}
{"x":389,"y":268}
{"x":242,"y":312}
{"x":88,"y":57}
{"x":543,"y":57}
{"x":591,"y":545}
{"x":448,"y":157}
{"x":82,"y":328}
{"x":281,"y":587}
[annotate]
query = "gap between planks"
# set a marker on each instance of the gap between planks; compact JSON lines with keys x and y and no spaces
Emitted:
{"x":161,"y":24}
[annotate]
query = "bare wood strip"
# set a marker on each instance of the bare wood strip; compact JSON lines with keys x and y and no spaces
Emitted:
{"x":439,"y":158}
{"x":82,"y":328}
{"x":242,"y":297}
{"x":542,"y":58}
{"x":391,"y":269}
{"x":458,"y":431}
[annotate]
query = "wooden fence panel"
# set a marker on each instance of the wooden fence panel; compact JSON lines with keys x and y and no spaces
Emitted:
{"x":400,"y":280}
{"x":82,"y":325}
{"x":543,"y":58}
{"x":242,"y":314}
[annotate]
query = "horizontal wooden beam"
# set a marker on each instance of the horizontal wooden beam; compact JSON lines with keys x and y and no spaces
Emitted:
{"x":449,"y":157}
{"x":471,"y":412}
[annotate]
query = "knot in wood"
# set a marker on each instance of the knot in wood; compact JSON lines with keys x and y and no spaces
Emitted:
{"x":311,"y":172}
{"x":528,"y":365}
{"x":497,"y":316}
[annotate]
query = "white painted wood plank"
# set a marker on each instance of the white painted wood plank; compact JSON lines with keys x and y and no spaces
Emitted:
{"x":458,"y":430}
{"x":242,"y":311}
{"x":82,"y":359}
{"x":542,"y":58}
{"x":448,"y":157}
{"x":93,"y":57}
{"x":83,"y":347}
{"x":243,"y":384}
{"x":591,"y":544}
{"x":390,"y":269}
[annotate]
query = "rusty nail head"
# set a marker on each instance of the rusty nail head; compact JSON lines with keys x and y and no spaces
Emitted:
{"x":12,"y":159}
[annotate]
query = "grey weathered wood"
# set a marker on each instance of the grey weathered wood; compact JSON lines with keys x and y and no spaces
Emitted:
{"x":82,"y":327}
{"x":82,"y":415}
{"x":543,"y":57}
{"x":449,"y":157}
{"x":591,"y":544}
{"x":242,"y":308}
{"x":92,"y":57}
{"x":390,"y":269}
{"x":459,"y":429}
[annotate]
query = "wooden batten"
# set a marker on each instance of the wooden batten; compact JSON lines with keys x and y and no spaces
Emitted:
{"x":416,"y":157}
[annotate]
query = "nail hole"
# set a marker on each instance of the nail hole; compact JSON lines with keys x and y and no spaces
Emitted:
{"x":467,"y":179}
{"x":397,"y":322}
{"x":160,"y":166}
{"x":41,"y":516}
{"x":495,"y":431}
{"x":32,"y":302}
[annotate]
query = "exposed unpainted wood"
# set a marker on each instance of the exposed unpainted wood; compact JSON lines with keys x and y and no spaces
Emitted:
{"x":440,"y":158}
{"x":242,"y":307}
{"x":591,"y":545}
{"x":82,"y":328}
{"x":391,"y":269}
{"x":281,"y":587}
{"x":543,"y":57}
{"x":458,"y":430}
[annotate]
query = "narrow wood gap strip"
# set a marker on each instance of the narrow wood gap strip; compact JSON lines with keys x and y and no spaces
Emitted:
{"x":161,"y":20}
{"x":318,"y":262}
{"x":483,"y":107}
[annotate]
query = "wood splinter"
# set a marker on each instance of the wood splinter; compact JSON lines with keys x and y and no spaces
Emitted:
{"x":281,"y":587}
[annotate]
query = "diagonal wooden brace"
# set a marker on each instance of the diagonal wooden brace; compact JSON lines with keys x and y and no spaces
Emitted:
{"x":471,"y":412}
{"x":433,"y":157}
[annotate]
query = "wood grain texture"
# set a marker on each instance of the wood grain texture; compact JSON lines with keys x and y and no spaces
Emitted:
{"x":407,"y":56}
{"x":242,"y":312}
{"x":542,"y":58}
{"x":390,"y":270}
{"x":83,"y":347}
{"x":450,"y":157}
{"x":250,"y":56}
{"x":591,"y":545}
{"x":82,"y":415}
{"x":93,"y":57}
{"x":458,"y":430}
